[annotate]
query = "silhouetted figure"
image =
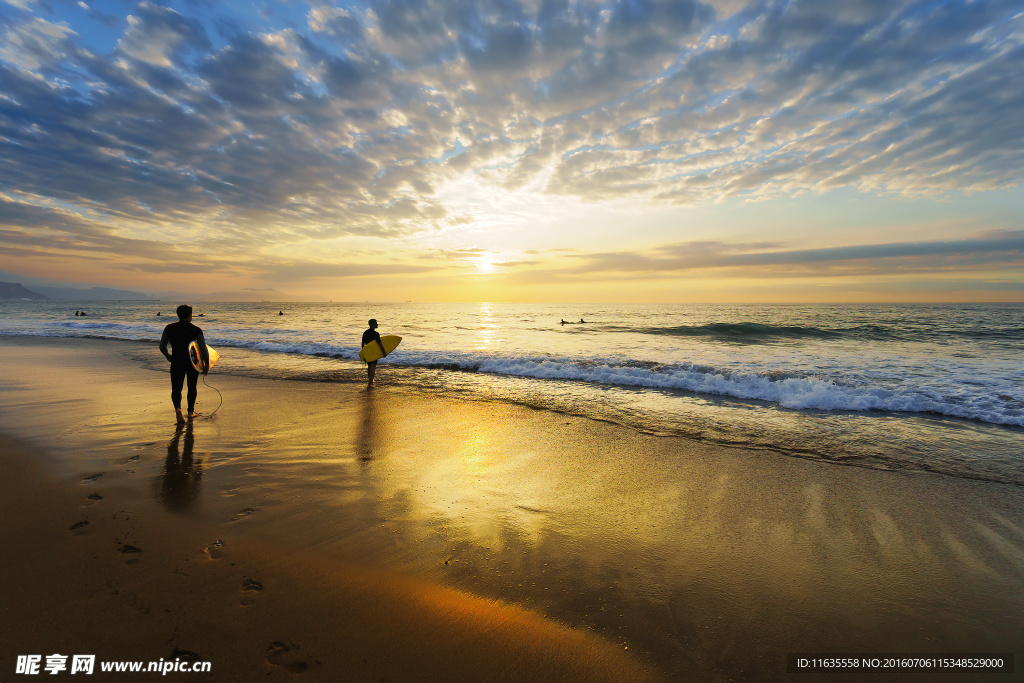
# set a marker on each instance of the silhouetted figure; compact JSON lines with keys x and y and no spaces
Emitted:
{"x":179,"y":335}
{"x":369,"y":336}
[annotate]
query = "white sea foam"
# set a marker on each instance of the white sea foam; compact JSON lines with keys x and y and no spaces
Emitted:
{"x":89,"y":325}
{"x":836,"y":359}
{"x":787,"y":389}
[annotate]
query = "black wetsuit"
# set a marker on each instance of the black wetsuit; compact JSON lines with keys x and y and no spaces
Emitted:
{"x":179,"y":335}
{"x":371,"y":335}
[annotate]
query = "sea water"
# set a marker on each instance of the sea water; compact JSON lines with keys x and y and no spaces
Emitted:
{"x":928,"y":387}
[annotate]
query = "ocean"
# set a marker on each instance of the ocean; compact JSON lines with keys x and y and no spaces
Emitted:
{"x":921,"y":387}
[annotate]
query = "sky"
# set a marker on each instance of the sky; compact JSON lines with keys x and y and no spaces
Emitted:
{"x":516,"y":150}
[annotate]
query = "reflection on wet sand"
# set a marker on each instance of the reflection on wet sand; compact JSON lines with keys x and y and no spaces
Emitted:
{"x":680,"y":561}
{"x":374,"y":432}
{"x":369,"y":428}
{"x":178,"y":486}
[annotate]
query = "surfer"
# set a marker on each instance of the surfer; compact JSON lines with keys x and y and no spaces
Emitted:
{"x":179,"y":335}
{"x":372,"y":335}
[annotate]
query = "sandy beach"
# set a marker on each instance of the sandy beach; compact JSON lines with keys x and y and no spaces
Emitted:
{"x":318,"y":530}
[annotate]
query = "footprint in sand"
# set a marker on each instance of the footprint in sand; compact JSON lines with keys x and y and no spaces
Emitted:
{"x":250,"y":586}
{"x":278,"y":655}
{"x":78,"y":527}
{"x":215,"y":550}
{"x":94,"y":497}
{"x":136,"y":603}
{"x":91,"y":478}
{"x":129,"y":551}
{"x":242,"y":514}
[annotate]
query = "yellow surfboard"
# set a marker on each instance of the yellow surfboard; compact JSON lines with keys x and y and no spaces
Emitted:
{"x":197,"y":359}
{"x":371,"y":351}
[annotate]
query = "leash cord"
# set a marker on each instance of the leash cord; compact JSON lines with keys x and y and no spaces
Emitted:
{"x":218,"y":393}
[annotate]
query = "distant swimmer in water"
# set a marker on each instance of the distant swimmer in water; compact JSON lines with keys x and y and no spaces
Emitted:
{"x":158,"y":313}
{"x":179,"y":335}
{"x":76,"y":312}
{"x":563,"y":321}
{"x":280,"y":312}
{"x":582,"y":320}
{"x":370,"y":335}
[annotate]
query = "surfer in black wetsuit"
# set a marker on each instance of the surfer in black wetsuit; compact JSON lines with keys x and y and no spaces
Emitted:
{"x":179,"y":335}
{"x":369,"y":336}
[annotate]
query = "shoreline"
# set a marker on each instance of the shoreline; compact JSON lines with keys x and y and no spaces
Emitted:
{"x":703,"y":561}
{"x":895,"y":440}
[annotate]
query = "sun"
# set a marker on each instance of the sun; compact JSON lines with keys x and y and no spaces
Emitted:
{"x":485,"y":265}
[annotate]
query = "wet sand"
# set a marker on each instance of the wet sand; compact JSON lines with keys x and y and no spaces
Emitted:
{"x":316,"y":529}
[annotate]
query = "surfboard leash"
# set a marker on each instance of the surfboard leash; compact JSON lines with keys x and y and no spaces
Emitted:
{"x":218,"y":393}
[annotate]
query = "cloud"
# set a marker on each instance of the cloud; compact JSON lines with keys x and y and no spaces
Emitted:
{"x":159,"y":36}
{"x":35,"y":43}
{"x":454,"y":255}
{"x":306,"y":271}
{"x":979,"y":254}
{"x":341,"y":121}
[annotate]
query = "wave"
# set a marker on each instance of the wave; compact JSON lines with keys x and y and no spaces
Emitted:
{"x":93,"y":326}
{"x":787,"y":389}
{"x":1005,"y":333}
{"x":753,"y":333}
{"x":320,"y":349}
{"x":998,"y":401}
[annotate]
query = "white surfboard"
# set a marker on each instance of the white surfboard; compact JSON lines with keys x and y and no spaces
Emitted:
{"x":197,"y":359}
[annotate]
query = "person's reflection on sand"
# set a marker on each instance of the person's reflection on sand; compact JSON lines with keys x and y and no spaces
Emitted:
{"x":369,"y":443}
{"x":181,"y":479}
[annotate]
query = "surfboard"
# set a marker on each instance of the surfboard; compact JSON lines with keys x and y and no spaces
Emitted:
{"x":371,"y":351}
{"x":197,"y":360}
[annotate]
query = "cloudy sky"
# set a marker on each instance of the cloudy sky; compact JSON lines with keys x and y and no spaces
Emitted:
{"x":530,"y":150}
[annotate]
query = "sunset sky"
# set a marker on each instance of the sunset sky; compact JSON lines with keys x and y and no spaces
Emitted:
{"x":515,"y":150}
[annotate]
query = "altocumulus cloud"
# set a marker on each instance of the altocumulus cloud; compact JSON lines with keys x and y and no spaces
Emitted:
{"x":315,"y":121}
